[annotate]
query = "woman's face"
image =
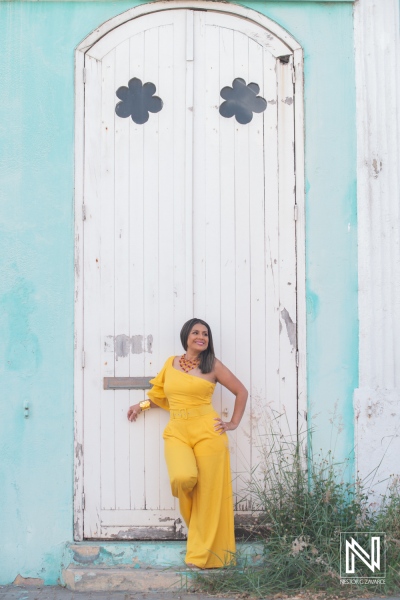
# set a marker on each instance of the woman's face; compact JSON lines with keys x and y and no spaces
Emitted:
{"x":198,"y":338}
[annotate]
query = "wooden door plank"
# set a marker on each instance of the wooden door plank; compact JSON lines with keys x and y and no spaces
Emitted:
{"x":257,"y":190}
{"x":122,"y":239}
{"x":152,"y":225}
{"x":168,"y":37}
{"x":200,"y":176}
{"x":212,"y":202}
{"x":242,"y":253}
{"x":271,"y":239}
{"x":265,"y":279}
{"x":287,"y":253}
{"x":92,"y":292}
{"x":136,"y":284}
{"x":227,"y":196}
{"x":106,"y":216}
{"x":189,"y":165}
{"x":207,"y":182}
{"x":182,"y":183}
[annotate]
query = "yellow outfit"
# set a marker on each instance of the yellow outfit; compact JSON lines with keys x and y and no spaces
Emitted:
{"x":198,"y":465}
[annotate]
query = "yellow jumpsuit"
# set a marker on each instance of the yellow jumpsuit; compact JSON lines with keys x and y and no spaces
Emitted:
{"x":198,"y":465}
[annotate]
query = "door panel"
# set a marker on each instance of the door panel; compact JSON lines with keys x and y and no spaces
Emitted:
{"x":187,"y":214}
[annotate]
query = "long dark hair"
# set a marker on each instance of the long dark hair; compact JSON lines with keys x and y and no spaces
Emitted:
{"x":207,"y":357}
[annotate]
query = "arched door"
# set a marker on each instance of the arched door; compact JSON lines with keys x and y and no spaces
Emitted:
{"x":189,"y":210}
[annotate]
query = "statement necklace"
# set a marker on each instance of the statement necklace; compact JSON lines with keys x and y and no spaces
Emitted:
{"x":187,"y":365}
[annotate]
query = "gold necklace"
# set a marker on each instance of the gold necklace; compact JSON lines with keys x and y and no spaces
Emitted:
{"x":187,"y":364}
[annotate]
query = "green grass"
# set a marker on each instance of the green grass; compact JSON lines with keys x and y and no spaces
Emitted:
{"x":299,"y":515}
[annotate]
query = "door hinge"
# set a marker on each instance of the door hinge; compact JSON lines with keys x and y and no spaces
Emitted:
{"x":293,"y":74}
{"x":83,"y":501}
{"x":83,"y":359}
{"x":296,"y":212}
{"x":83,"y":212}
{"x":84,"y":75}
{"x":297,"y":358}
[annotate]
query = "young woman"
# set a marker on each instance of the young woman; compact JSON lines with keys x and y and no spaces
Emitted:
{"x":196,"y":445}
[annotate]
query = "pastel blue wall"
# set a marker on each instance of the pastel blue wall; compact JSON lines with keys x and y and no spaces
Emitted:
{"x":37,"y":41}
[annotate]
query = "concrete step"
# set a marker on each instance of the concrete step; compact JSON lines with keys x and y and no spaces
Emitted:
{"x":126,"y":578}
{"x":135,"y":566}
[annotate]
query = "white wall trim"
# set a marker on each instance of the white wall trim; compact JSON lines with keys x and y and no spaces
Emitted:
{"x":377,"y":54}
{"x":81,"y":50}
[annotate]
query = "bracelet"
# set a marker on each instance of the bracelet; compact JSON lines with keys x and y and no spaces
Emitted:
{"x":145,"y":405}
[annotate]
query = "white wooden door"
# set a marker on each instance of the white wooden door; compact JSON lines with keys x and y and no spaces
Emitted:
{"x":189,"y":211}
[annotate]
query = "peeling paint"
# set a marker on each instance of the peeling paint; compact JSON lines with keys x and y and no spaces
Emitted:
{"x":76,"y":528}
{"x":290,"y":328}
{"x":85,"y":554}
{"x":122,"y":345}
{"x":109,"y":343}
{"x":288,"y":100}
{"x":149,"y":345}
{"x":77,"y":256}
{"x":78,"y":453}
{"x":137,"y":344}
{"x":377,"y":168}
{"x":28,"y":581}
{"x":151,"y":533}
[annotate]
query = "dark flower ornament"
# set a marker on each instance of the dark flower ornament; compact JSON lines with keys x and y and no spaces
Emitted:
{"x":137,"y":100}
{"x":241,"y":101}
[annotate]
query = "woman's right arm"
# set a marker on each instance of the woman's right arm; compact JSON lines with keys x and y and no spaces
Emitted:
{"x":155,"y":395}
{"x":135,"y":410}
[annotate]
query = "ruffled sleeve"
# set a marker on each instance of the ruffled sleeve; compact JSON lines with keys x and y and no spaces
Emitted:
{"x":157,"y":394}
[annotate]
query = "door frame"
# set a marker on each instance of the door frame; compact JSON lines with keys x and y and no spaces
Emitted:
{"x":299,"y":211}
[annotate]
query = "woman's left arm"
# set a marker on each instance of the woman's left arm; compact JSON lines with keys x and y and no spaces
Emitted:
{"x":227,"y":379}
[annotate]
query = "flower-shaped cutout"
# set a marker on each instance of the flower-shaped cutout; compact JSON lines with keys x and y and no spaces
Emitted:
{"x":137,"y":100}
{"x":241,"y":101}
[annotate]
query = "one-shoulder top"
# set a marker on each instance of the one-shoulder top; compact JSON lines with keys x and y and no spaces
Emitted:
{"x":173,"y":389}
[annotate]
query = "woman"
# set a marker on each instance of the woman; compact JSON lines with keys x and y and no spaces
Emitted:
{"x":196,"y":444}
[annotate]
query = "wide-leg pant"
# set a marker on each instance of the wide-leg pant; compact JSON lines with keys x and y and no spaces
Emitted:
{"x":199,"y":470}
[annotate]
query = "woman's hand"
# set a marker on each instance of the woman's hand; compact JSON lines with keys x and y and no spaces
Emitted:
{"x":133,"y":412}
{"x":232,"y":383}
{"x":222,"y":426}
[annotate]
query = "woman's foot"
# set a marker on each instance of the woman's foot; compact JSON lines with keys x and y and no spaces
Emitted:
{"x":192,"y":566}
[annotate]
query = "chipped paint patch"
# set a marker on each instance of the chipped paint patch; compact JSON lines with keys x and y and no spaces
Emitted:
{"x":149,"y":344}
{"x":85,"y":554}
{"x":122,"y":344}
{"x":28,"y":581}
{"x":137,"y":344}
{"x":290,"y":328}
{"x":376,"y":168}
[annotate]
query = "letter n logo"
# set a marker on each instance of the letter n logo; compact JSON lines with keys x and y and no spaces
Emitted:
{"x":371,"y":560}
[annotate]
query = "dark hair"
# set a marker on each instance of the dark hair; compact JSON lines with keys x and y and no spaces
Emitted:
{"x":207,"y":357}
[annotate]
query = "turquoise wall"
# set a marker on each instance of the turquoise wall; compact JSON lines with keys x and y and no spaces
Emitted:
{"x":37,"y":41}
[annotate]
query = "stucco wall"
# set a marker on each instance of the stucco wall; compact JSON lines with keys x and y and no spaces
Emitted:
{"x":37,"y":41}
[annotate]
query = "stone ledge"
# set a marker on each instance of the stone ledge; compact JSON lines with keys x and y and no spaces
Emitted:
{"x":124,"y":579}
